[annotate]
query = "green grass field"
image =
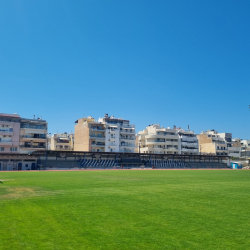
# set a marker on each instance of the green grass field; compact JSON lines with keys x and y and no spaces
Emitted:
{"x":182,"y":209}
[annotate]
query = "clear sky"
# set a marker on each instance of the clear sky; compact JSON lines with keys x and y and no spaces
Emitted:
{"x":171,"y":62}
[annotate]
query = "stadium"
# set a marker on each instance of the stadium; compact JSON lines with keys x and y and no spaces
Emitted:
{"x":44,"y":160}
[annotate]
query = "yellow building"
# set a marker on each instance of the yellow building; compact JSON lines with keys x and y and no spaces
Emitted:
{"x":62,"y":142}
{"x":211,"y":143}
{"x":89,"y":135}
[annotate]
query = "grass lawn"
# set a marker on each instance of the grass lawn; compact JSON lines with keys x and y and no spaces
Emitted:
{"x":130,"y":209}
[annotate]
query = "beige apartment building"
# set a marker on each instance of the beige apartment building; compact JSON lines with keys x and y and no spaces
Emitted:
{"x":157,"y":140}
{"x":33,"y":135}
{"x":211,"y":143}
{"x":89,"y":135}
{"x":108,"y":134}
{"x":63,"y":142}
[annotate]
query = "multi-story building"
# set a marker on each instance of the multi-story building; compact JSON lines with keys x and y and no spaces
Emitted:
{"x":234,"y":148}
{"x":245,"y":145}
{"x":62,"y":142}
{"x":89,"y":135}
{"x":188,"y":142}
{"x":33,"y":135}
{"x":119,"y":134}
{"x":108,"y":134}
{"x":9,"y":133}
{"x":233,"y":145}
{"x":158,"y":140}
{"x":211,"y":143}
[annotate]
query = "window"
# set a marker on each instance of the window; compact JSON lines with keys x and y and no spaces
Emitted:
{"x":1,"y":148}
{"x":13,"y":149}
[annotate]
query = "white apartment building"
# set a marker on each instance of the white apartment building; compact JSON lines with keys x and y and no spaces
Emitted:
{"x":158,"y":140}
{"x":233,"y":145}
{"x":119,"y":134}
{"x":188,"y":142}
{"x":245,"y":145}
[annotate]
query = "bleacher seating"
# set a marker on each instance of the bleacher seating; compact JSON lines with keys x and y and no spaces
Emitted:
{"x":97,"y":163}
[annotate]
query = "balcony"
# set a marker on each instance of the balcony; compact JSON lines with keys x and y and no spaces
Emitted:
{"x":127,"y":145}
{"x":129,"y":126}
{"x":189,"y":139}
{"x":155,"y":142}
{"x":98,"y":129}
{"x":127,"y":151}
{"x":6,"y":123}
{"x":188,"y":144}
{"x":63,"y":148}
{"x":33,"y":127}
{"x":172,"y":148}
{"x":98,"y":144}
{"x":30,"y":137}
{"x":6,"y":132}
{"x":127,"y":132}
{"x":31,"y":146}
{"x":6,"y":142}
{"x":99,"y":136}
{"x":125,"y":138}
{"x":189,"y":150}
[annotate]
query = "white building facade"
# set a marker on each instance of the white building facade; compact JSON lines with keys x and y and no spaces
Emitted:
{"x":158,"y":140}
{"x":188,"y":142}
{"x":119,"y":134}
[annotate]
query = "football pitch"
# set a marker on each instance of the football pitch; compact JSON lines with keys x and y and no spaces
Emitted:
{"x":125,"y":209}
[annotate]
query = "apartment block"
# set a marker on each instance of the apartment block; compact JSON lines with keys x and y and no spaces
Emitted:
{"x":108,"y":134}
{"x":245,"y":145}
{"x":9,"y":133}
{"x":158,"y":140}
{"x":188,"y":142}
{"x":33,"y":135}
{"x":234,"y":148}
{"x":63,"y":142}
{"x":211,"y":143}
{"x":119,"y":134}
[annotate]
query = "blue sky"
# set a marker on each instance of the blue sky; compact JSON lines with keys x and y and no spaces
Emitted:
{"x":169,"y":62}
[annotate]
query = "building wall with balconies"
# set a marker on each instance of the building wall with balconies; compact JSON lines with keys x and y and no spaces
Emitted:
{"x":63,"y":142}
{"x":157,"y":140}
{"x":9,"y":133}
{"x":211,"y":143}
{"x":188,"y":141}
{"x":33,"y":135}
{"x":120,"y":134}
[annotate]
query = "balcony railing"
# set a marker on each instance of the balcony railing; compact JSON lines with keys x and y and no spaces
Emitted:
{"x":127,"y":131}
{"x":6,"y":142}
{"x":97,"y":136}
{"x":125,"y":138}
{"x":32,"y":137}
{"x":98,"y":129}
{"x":98,"y":144}
{"x":189,"y":139}
{"x":34,"y":127}
{"x":6,"y":132}
{"x":31,"y":146}
{"x":127,"y":145}
{"x":6,"y":122}
{"x":126,"y":151}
